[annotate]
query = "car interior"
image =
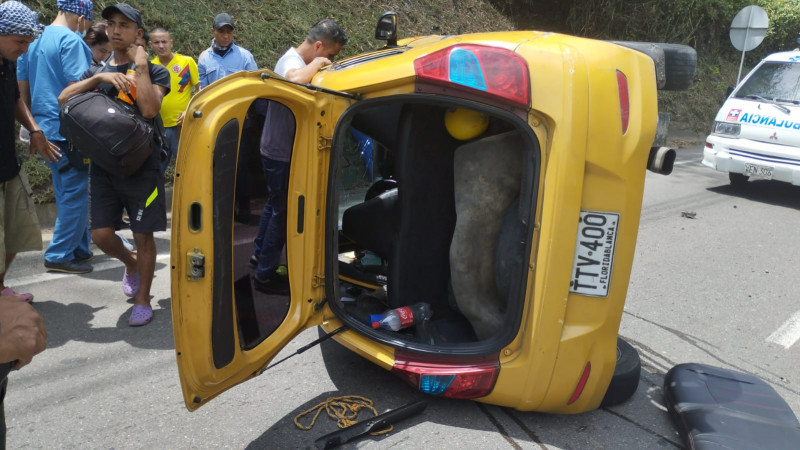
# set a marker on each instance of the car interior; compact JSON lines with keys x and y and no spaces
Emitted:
{"x":414,"y":215}
{"x":424,"y":217}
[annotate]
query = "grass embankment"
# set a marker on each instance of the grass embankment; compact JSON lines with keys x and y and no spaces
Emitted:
{"x":269,"y":28}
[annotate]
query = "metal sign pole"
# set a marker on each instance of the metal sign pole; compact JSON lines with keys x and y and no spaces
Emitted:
{"x":744,"y":47}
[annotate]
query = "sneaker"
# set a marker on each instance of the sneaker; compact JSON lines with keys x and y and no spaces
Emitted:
{"x":140,"y":315}
{"x":85,"y":258}
{"x":25,"y":297}
{"x":68,"y":267}
{"x":130,"y":284}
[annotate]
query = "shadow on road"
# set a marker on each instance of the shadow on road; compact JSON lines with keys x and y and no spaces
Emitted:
{"x":353,"y":375}
{"x":72,"y":322}
{"x":764,"y":191}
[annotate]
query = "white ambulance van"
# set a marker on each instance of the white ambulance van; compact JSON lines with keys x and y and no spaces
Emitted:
{"x":757,"y":131}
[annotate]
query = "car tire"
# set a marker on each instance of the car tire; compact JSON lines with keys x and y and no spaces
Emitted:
{"x":738,"y":179}
{"x":625,"y":380}
{"x":680,"y":62}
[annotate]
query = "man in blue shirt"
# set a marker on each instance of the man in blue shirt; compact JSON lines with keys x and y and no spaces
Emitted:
{"x":218,"y":61}
{"x":55,"y":60}
{"x":223,"y":57}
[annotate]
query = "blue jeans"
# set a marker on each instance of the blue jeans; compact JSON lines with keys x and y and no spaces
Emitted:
{"x":71,"y":232}
{"x":172,"y":140}
{"x":271,"y":236}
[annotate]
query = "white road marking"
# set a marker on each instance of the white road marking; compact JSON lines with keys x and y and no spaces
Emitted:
{"x":788,"y":333}
{"x":49,"y":276}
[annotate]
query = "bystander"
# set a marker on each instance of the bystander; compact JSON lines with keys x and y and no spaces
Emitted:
{"x":223,"y":58}
{"x":183,"y":75}
{"x":55,"y":60}
{"x":22,"y":331}
{"x":141,"y":194}
{"x":323,"y":42}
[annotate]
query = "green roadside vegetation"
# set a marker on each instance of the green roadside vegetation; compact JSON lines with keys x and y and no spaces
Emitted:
{"x":268,"y":28}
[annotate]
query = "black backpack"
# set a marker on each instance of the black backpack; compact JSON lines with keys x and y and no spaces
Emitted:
{"x":110,"y":132}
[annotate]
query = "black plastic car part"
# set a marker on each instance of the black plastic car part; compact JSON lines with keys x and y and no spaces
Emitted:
{"x":625,"y":380}
{"x":675,"y":64}
{"x":715,"y":408}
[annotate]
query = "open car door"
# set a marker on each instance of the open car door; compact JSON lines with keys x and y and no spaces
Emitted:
{"x":227,"y":327}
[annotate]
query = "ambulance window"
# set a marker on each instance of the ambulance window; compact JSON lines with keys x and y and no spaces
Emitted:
{"x":773,"y":80}
{"x":260,"y":307}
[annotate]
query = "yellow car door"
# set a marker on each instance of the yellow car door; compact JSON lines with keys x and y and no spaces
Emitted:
{"x":226,"y":329}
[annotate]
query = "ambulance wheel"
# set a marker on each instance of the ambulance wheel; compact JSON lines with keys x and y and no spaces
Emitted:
{"x":626,"y":375}
{"x":738,"y":179}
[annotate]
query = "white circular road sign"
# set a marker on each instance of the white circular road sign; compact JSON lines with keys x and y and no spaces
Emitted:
{"x":749,"y":28}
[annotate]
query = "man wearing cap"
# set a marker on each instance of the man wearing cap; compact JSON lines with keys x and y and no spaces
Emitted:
{"x":183,"y":73}
{"x":218,"y":61}
{"x":22,"y":331}
{"x":141,"y":194}
{"x":55,"y":60}
{"x":223,"y":57}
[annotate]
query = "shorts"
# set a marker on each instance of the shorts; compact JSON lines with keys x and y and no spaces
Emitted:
{"x":19,"y":225}
{"x":141,"y":195}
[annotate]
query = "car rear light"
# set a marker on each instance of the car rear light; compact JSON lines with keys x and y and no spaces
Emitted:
{"x":624,"y":100}
{"x":484,"y":70}
{"x":453,"y":378}
{"x":581,"y":384}
{"x":709,"y":145}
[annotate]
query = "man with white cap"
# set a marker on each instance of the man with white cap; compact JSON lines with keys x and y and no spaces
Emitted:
{"x":22,"y":331}
{"x":55,"y":60}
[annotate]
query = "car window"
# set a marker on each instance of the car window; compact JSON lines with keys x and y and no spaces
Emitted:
{"x":773,"y":80}
{"x":359,"y":169}
{"x":260,"y":310}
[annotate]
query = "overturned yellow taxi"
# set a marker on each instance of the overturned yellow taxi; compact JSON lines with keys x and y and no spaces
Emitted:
{"x":495,"y":177}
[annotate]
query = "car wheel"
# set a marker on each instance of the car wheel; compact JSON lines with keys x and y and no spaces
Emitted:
{"x":680,"y":63}
{"x":738,"y":179}
{"x":626,"y":375}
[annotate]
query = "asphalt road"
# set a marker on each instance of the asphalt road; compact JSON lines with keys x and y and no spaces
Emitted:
{"x":718,"y":288}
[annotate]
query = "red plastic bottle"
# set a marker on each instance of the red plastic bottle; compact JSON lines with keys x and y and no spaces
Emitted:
{"x":403,"y":317}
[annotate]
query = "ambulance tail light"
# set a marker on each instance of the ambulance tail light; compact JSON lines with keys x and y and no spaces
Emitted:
{"x":454,"y":378}
{"x":480,"y":70}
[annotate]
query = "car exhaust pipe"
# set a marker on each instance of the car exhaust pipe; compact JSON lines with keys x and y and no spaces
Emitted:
{"x":661,"y":160}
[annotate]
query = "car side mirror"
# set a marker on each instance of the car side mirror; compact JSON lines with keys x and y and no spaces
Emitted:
{"x":386,"y":30}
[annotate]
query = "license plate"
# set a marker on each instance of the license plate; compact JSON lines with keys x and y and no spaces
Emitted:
{"x":758,"y":170}
{"x":594,"y":253}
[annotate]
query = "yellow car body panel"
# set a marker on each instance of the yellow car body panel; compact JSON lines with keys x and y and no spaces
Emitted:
{"x":586,"y":163}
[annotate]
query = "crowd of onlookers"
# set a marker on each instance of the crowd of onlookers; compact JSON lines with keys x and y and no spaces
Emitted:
{"x":43,"y":67}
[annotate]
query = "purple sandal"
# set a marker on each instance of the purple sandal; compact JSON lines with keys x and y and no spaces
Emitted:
{"x":130,"y":284}
{"x":141,"y":315}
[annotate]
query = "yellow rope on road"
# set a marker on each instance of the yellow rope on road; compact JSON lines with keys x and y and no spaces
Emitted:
{"x":343,"y":409}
